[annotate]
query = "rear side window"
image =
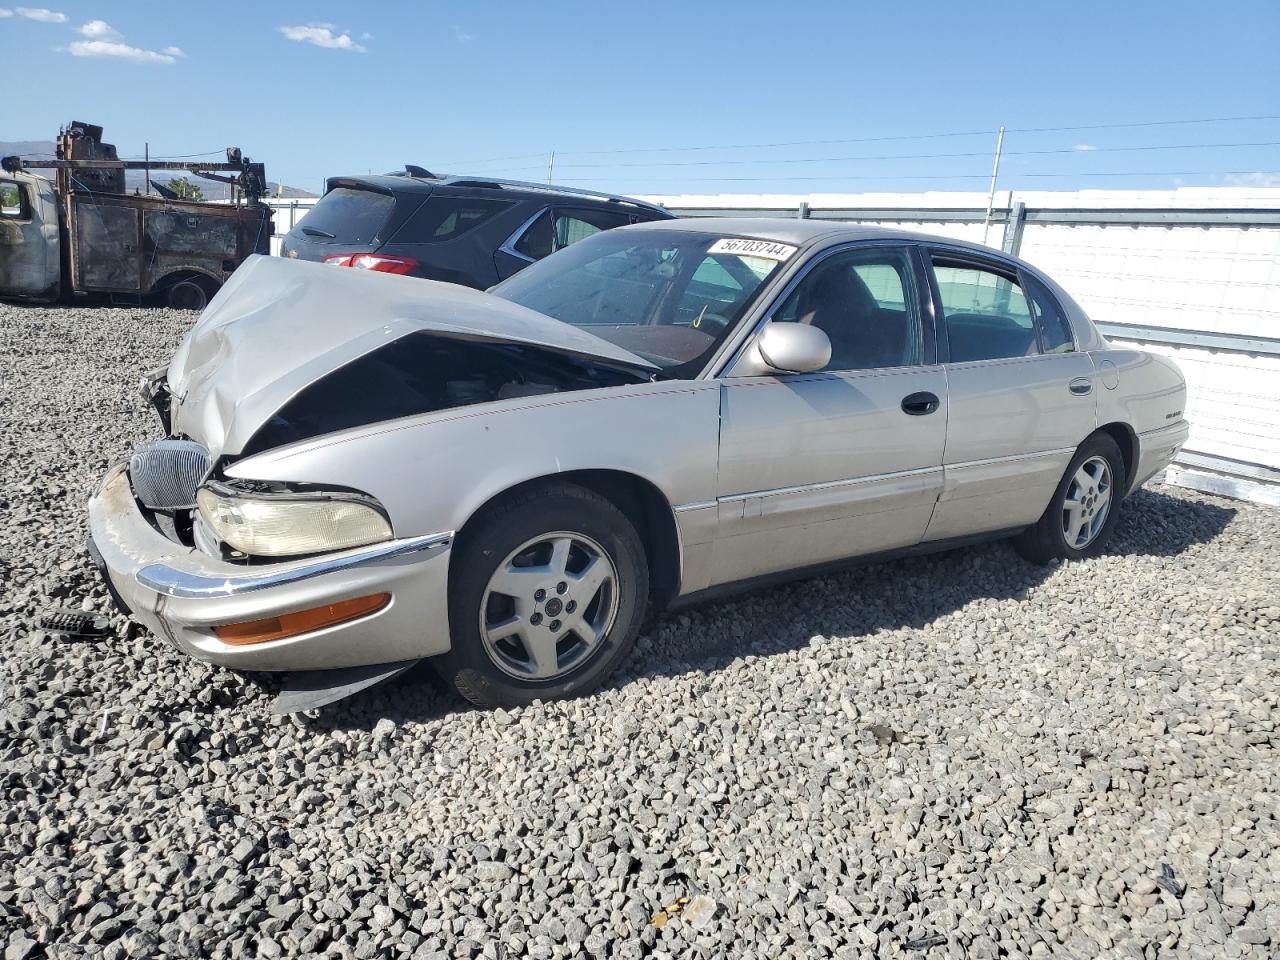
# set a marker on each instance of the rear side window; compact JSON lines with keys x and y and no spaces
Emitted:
{"x":445,"y":218}
{"x":557,"y":229}
{"x":347,"y":215}
{"x":1055,"y":330}
{"x":538,"y":240}
{"x":988,"y":316}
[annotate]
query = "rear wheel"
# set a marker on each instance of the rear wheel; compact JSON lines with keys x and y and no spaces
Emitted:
{"x":1084,"y":509}
{"x":546,"y":597}
{"x":189,"y":294}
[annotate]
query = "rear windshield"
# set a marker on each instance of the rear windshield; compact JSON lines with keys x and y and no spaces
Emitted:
{"x":347,"y":215}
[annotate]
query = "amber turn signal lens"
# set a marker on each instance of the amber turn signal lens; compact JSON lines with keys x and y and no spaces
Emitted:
{"x":304,"y":621}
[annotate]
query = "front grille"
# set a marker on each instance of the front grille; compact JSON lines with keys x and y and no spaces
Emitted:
{"x":165,"y":474}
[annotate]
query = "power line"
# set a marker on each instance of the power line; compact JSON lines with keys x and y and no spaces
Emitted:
{"x":940,"y":176}
{"x":1146,"y":123}
{"x":922,"y":156}
{"x":518,"y":156}
{"x":904,"y":137}
{"x":178,"y":156}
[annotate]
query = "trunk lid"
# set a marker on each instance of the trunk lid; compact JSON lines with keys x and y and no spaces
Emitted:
{"x":279,"y":325}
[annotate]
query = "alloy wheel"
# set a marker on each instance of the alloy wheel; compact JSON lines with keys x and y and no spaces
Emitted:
{"x":548,"y":606}
{"x":1087,"y":503}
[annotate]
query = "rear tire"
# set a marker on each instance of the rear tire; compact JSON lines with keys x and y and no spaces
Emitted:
{"x":547,"y":594}
{"x":188,"y":294}
{"x":1085,"y":507}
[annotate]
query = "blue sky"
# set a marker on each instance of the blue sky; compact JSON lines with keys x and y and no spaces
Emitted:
{"x":317,"y":89}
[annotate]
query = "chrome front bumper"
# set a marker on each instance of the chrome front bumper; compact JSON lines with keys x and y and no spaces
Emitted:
{"x":181,"y":594}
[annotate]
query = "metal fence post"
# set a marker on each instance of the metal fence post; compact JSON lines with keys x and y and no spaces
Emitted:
{"x":803,"y":212}
{"x":1013,"y":228}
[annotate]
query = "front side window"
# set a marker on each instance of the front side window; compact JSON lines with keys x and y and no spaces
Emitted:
{"x":987,"y":315}
{"x":664,"y":295}
{"x":864,"y":301}
{"x":574,"y":225}
{"x":11,"y":205}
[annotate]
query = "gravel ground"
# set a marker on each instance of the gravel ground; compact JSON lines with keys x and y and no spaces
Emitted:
{"x":961,"y":756}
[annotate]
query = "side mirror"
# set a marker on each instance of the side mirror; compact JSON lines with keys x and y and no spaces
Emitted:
{"x":794,"y":347}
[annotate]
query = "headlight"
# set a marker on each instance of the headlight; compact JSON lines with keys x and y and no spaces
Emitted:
{"x":290,"y":524}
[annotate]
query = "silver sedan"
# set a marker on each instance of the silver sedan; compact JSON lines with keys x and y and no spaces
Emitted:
{"x":362,"y":471}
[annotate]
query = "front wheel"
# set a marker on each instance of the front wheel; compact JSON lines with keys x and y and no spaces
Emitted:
{"x":547,"y":595}
{"x":1084,"y":509}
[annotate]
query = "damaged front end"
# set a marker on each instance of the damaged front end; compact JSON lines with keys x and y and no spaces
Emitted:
{"x":291,"y":351}
{"x":387,"y":346}
{"x":267,"y":574}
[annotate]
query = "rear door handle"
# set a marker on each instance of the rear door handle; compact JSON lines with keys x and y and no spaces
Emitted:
{"x":918,"y":404}
{"x":1081,"y":386}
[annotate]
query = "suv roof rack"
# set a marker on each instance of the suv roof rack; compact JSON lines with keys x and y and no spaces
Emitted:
{"x":493,"y":183}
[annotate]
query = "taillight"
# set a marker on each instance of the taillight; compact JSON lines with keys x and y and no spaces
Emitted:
{"x":378,"y":262}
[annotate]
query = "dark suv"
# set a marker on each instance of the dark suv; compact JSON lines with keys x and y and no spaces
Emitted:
{"x":464,"y":230}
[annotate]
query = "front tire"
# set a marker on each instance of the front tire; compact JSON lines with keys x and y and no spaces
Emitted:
{"x":546,"y":597}
{"x":1085,"y":507}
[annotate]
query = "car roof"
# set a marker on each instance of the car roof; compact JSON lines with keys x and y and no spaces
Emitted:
{"x":798,"y":232}
{"x":517,"y":189}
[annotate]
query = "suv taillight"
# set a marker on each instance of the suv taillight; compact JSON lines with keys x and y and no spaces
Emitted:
{"x":379,"y":262}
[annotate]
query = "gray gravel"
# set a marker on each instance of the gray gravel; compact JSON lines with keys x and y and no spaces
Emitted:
{"x":961,"y":756}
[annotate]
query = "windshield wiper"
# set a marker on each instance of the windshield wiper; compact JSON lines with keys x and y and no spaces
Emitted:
{"x":317,"y":232}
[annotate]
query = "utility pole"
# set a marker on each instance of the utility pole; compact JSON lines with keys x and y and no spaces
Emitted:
{"x":551,"y":166}
{"x":146,"y":170}
{"x":991,"y":193}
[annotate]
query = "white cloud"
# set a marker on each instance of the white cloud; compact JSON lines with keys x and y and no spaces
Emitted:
{"x":322,"y":35}
{"x":1084,"y":147}
{"x":119,"y":51}
{"x":5,"y":13}
{"x":100,"y":30}
{"x":42,"y":14}
{"x":173,"y":51}
{"x":460,"y":35}
{"x":1258,"y":178}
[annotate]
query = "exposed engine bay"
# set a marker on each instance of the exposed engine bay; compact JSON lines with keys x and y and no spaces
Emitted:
{"x":420,"y":373}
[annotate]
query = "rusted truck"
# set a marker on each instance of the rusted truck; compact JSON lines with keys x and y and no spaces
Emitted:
{"x":82,"y":234}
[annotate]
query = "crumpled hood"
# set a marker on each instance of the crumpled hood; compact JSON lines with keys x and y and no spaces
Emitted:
{"x":278,"y":325}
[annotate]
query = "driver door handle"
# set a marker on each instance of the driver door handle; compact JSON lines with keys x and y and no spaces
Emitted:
{"x":919,"y":404}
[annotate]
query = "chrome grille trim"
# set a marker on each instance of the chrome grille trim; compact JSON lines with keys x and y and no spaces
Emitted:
{"x":165,"y":474}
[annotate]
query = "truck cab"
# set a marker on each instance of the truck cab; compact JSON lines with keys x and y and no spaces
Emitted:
{"x":30,"y":242}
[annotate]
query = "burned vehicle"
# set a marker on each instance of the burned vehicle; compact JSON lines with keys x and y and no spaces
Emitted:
{"x":361,"y":472}
{"x":83,"y":234}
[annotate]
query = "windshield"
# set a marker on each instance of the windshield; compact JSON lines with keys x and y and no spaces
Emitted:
{"x":667,"y":295}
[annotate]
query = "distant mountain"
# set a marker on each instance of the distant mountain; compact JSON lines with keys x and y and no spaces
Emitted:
{"x":136,"y":179}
